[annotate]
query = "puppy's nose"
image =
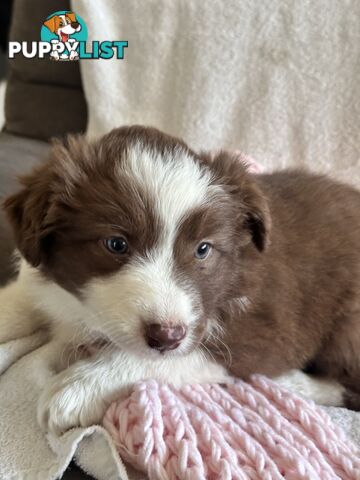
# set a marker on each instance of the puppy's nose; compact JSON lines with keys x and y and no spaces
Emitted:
{"x":75,"y":24}
{"x":164,"y":337}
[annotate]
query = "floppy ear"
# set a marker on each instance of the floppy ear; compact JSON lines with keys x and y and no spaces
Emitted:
{"x":40,"y":210}
{"x":257,"y":215}
{"x":51,"y":24}
{"x":27,"y":213}
{"x":71,"y":15}
{"x":251,"y":205}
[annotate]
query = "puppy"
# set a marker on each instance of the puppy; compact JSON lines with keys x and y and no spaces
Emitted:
{"x":185,"y":268}
{"x":63,"y":26}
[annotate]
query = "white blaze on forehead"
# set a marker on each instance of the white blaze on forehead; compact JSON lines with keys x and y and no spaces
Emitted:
{"x":175,"y":180}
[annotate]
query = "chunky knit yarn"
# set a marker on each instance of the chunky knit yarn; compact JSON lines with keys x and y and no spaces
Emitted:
{"x":246,"y":430}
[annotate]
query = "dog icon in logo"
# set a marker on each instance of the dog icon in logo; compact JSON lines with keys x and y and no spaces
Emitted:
{"x":63,"y":26}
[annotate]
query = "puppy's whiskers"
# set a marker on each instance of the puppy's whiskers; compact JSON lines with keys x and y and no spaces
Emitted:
{"x":220,"y":346}
{"x":204,"y":356}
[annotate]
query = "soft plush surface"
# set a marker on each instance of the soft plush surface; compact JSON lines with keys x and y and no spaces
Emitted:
{"x":277,"y":78}
{"x":26,"y":452}
{"x":241,"y":431}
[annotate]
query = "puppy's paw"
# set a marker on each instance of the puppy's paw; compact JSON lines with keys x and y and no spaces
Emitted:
{"x":68,"y":402}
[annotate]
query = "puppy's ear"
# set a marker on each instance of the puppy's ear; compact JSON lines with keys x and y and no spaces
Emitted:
{"x":71,"y":16}
{"x":27,"y":213}
{"x":257,"y":216}
{"x":51,"y":24}
{"x":251,"y":205}
{"x":41,"y":209}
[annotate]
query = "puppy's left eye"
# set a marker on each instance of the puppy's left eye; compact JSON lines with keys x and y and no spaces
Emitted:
{"x":203,"y":250}
{"x":116,"y":245}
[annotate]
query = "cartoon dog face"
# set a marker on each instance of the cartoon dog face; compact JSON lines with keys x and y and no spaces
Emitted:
{"x":63,"y":25}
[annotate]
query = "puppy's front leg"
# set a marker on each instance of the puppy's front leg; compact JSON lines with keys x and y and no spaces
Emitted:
{"x":79,"y":395}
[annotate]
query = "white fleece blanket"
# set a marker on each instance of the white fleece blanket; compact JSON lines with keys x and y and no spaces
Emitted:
{"x":25,"y":452}
{"x":278,"y":79}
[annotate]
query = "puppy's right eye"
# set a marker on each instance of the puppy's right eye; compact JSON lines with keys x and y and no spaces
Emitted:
{"x":203,"y":250}
{"x":117,"y":245}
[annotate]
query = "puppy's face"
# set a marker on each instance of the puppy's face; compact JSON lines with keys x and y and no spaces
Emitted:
{"x":63,"y":25}
{"x":149,"y":236}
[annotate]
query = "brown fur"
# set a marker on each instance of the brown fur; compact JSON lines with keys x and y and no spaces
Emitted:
{"x":305,"y":289}
{"x":287,"y":241}
{"x":53,"y":23}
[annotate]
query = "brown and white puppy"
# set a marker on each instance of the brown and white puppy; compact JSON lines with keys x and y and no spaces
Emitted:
{"x":186,"y":266}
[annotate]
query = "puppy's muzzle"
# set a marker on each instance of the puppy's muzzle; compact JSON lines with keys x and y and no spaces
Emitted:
{"x":164,"y":337}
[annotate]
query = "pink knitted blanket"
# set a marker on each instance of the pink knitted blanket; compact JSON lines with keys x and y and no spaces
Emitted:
{"x":254,"y":430}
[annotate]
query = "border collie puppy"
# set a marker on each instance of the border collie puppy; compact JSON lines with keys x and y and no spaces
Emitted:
{"x":184,"y":267}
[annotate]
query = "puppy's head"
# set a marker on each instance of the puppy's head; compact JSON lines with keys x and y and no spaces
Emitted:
{"x":148,"y":235}
{"x":63,"y":25}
